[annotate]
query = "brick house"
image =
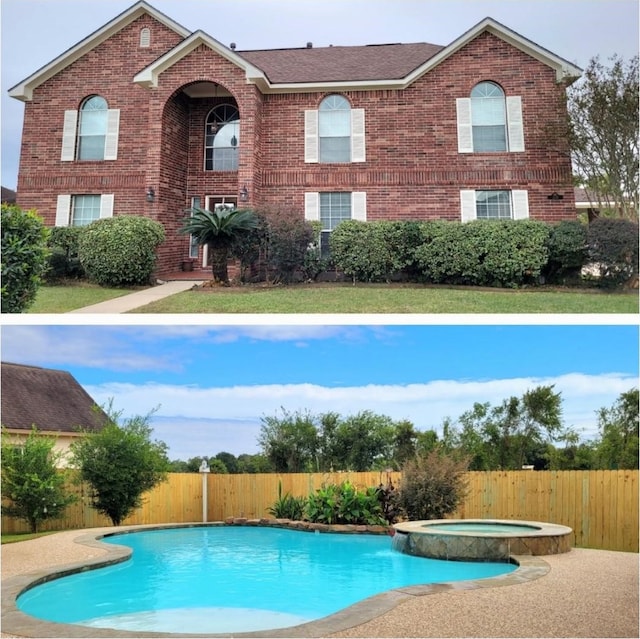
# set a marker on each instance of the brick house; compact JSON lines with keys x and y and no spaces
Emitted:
{"x":51,"y":400}
{"x":145,"y":117}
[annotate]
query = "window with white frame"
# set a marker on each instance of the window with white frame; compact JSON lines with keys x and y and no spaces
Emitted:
{"x":91,"y":133}
{"x":222,"y":136}
{"x":334,"y":133}
{"x":494,"y":204}
{"x":82,"y":209}
{"x":332,"y":208}
{"x":488,"y":121}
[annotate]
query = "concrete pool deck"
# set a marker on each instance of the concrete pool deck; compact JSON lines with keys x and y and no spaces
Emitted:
{"x":582,"y":593}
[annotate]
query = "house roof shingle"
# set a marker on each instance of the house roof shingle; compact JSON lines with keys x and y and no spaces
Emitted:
{"x":341,"y":63}
{"x":51,"y":399}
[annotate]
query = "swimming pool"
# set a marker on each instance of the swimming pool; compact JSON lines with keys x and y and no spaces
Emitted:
{"x":235,"y":579}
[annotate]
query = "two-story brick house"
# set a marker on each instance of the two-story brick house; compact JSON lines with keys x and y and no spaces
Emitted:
{"x":145,"y":117}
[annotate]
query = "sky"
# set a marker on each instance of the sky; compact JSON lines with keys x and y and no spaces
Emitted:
{"x":211,"y":385}
{"x":34,"y":32}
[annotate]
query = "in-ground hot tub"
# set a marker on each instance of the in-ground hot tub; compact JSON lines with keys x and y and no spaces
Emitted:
{"x":480,"y":539}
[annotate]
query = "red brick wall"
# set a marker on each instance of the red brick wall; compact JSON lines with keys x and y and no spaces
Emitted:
{"x":413,"y":168}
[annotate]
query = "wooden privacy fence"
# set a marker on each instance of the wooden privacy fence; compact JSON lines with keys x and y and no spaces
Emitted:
{"x":600,"y":506}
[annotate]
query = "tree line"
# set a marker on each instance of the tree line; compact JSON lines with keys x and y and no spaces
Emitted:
{"x":519,"y":432}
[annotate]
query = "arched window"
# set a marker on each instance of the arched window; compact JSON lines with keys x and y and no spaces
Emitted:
{"x":92,"y":129}
{"x":488,"y":117}
{"x":222,"y":137}
{"x":334,"y":129}
{"x":145,"y":37}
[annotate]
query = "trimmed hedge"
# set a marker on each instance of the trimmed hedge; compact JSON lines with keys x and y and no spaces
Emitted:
{"x":64,"y":261}
{"x":121,"y":250}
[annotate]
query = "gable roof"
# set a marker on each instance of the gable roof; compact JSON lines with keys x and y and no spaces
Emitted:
{"x":52,"y":400}
{"x":24,"y":90}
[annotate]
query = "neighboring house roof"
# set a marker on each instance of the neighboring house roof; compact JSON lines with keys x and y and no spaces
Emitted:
{"x":52,"y":400}
{"x":393,"y":66}
{"x":8,"y":196}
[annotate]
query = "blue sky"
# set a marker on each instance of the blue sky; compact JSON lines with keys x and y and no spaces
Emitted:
{"x":34,"y":32}
{"x":212,"y":384}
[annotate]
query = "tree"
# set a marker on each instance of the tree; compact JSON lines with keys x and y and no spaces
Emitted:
{"x":618,"y":426}
{"x":24,"y":256}
{"x":405,"y":439}
{"x":219,"y":230}
{"x":31,"y":480}
{"x":120,"y":463}
{"x":603,"y":133}
{"x":364,"y":441}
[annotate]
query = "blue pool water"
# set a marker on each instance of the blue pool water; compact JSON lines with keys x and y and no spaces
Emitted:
{"x":236,"y":579}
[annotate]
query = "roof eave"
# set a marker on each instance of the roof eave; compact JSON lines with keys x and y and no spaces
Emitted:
{"x":24,"y":90}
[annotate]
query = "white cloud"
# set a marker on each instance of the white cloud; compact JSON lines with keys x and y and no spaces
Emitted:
{"x":207,"y":415}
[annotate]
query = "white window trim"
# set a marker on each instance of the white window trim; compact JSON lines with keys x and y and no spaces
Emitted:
{"x":70,"y":136}
{"x":312,"y":136}
{"x":519,"y":204}
{"x":358,"y":206}
{"x":63,"y":208}
{"x":515,"y":125}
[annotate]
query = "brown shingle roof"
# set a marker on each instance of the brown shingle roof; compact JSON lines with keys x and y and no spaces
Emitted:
{"x":341,"y":64}
{"x":51,"y":399}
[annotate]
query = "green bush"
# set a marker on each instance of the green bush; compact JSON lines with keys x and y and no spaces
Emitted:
{"x":64,"y":262}
{"x":120,"y":251}
{"x":567,"y":248}
{"x":287,"y":247}
{"x":288,"y":507}
{"x":483,"y":252}
{"x":613,"y":246}
{"x":432,"y":486}
{"x":345,"y":504}
{"x":24,"y":256}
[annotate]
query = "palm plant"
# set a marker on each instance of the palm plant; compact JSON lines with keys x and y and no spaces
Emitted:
{"x":219,"y":229}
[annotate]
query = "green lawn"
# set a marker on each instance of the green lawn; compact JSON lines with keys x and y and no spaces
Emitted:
{"x":69,"y":297}
{"x":11,"y":539}
{"x":379,"y":298}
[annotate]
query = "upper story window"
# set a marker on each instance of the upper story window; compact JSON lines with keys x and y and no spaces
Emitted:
{"x":334,"y":129}
{"x":91,"y":133}
{"x":334,"y":133}
{"x":145,"y":37}
{"x":222,"y":131}
{"x":92,"y":128}
{"x":488,"y":117}
{"x":489,"y":121}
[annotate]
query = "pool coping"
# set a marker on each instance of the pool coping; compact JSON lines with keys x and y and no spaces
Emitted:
{"x":16,"y":622}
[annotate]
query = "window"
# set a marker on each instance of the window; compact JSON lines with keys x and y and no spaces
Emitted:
{"x":334,"y":133}
{"x":331,"y":209}
{"x":334,"y":129}
{"x":80,"y":210}
{"x":145,"y":38}
{"x":90,"y":133}
{"x":488,"y":116}
{"x":494,"y":205}
{"x":489,"y":122}
{"x":92,"y":129}
{"x":222,"y":138}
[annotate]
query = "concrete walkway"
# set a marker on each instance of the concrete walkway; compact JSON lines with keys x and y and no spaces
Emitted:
{"x":139,"y":298}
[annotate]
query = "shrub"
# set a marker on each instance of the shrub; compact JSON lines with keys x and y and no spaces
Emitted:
{"x":287,"y":506}
{"x":613,"y":246}
{"x":120,"y":251}
{"x":64,"y":261}
{"x":24,"y":256}
{"x":432,"y":486}
{"x":567,"y":248}
{"x":483,"y":253}
{"x":287,"y":246}
{"x":345,"y":504}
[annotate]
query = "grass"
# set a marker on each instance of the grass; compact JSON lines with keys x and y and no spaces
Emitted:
{"x":71,"y":296}
{"x":12,"y":539}
{"x":379,"y":298}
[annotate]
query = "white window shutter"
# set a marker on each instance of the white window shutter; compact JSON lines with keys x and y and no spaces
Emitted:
{"x":514,"y":123}
{"x":106,"y":206}
{"x":113,"y":129}
{"x":70,"y":124}
{"x":358,"y":152}
{"x":359,"y":206}
{"x":63,"y":210}
{"x":311,"y":142}
{"x":520,"y":200}
{"x":465,"y":128}
{"x":312,"y":207}
{"x":467,"y":205}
